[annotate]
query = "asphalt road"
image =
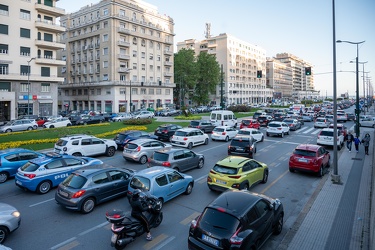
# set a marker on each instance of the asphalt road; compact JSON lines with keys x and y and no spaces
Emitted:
{"x":46,"y":225}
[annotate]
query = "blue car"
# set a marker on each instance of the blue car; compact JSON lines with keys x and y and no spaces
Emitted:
{"x":162,"y":182}
{"x":13,"y":158}
{"x":124,"y":137}
{"x":41,"y":174}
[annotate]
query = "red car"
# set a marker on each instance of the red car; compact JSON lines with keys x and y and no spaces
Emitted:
{"x":309,"y":158}
{"x":41,"y":120}
{"x":249,"y":123}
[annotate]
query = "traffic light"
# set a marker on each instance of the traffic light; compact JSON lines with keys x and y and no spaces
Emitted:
{"x":259,"y":74}
{"x":308,"y":71}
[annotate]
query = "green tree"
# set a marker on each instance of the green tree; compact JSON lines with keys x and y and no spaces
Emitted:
{"x":208,"y":78}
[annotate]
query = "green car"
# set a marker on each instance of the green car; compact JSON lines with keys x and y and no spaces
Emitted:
{"x":236,"y":172}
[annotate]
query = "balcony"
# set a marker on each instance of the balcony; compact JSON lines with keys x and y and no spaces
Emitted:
{"x":53,"y":11}
{"x":48,"y":26}
{"x":168,"y":74}
{"x":123,"y":56}
{"x":123,"y":43}
{"x":49,"y":61}
{"x":123,"y":70}
{"x":97,"y":58}
{"x":123,"y":30}
{"x":168,"y":63}
{"x":168,"y":52}
{"x":50,"y":44}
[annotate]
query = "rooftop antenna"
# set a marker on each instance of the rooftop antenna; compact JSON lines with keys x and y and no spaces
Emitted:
{"x":208,"y":30}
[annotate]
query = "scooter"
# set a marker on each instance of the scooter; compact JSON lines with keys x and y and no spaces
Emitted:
{"x":126,"y":228}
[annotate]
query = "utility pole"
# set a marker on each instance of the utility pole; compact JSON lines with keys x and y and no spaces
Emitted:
{"x":221,"y":89}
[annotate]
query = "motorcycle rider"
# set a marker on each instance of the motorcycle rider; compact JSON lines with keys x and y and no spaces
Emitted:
{"x":139,"y":204}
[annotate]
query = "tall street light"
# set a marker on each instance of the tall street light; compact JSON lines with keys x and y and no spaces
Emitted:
{"x":28,"y":85}
{"x":363,"y":75}
{"x":356,"y":87}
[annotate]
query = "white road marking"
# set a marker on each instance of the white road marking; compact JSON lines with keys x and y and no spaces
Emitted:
{"x":63,"y":243}
{"x":301,"y":129}
{"x":39,"y":203}
{"x":94,"y":228}
{"x":315,"y":132}
{"x":307,"y":131}
{"x":164,"y":243}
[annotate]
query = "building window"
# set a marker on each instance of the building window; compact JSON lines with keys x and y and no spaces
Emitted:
{"x":45,"y":71}
{"x":24,"y":87}
{"x":134,"y":66}
{"x":4,"y":48}
{"x":107,"y":91}
{"x":25,"y":33}
{"x":134,"y":91}
{"x":46,"y":87}
{"x":143,"y":55}
{"x":167,"y":91}
{"x":105,"y":38}
{"x":98,"y":91}
{"x":24,"y":69}
{"x":25,"y":51}
{"x":24,"y":14}
{"x":122,"y":13}
{"x":105,"y":24}
{"x":143,"y":66}
{"x":105,"y":64}
{"x":151,"y":67}
{"x":158,"y":58}
{"x":151,"y":44}
{"x":150,"y":91}
{"x":3,"y":29}
{"x":122,"y":91}
{"x":4,"y":69}
{"x":66,"y":92}
{"x":48,"y":37}
{"x":105,"y":77}
{"x":143,"y":91}
{"x":105,"y":51}
{"x":4,"y":10}
{"x":151,"y":56}
{"x":5,"y":87}
{"x":134,"y":53}
{"x":105,"y":12}
{"x":158,"y":91}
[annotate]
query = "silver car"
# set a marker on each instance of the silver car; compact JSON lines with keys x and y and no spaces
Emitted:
{"x":142,"y":149}
{"x":10,"y":220}
{"x":143,"y":115}
{"x":122,"y":117}
{"x":19,"y":125}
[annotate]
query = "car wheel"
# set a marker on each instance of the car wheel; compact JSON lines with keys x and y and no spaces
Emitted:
{"x":245,"y":187}
{"x":190,"y":145}
{"x":69,"y":124}
{"x":265,"y":177}
{"x":279,"y":225}
{"x":85,"y":123}
{"x":88,"y":205}
{"x":159,"y":220}
{"x":288,"y":132}
{"x":51,"y":126}
{"x":4,"y":177}
{"x":143,"y":159}
{"x":213,"y":139}
{"x":44,"y":187}
{"x":206,"y":141}
{"x":111,"y":151}
{"x":227,"y":138}
{"x":77,"y":154}
{"x":321,"y":171}
{"x":177,"y":169}
{"x":200,"y":164}
{"x":262,"y":139}
{"x":267,"y":134}
{"x":328,"y":164}
{"x":189,"y":189}
{"x":8,"y":130}
{"x":3,"y":234}
{"x":291,"y":170}
{"x":30,"y":128}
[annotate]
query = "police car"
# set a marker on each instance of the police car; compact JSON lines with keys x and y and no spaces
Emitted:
{"x":41,"y":174}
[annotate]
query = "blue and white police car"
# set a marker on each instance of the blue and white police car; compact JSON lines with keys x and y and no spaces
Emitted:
{"x":41,"y":174}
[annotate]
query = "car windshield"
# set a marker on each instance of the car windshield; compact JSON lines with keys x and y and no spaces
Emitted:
{"x":214,"y":220}
{"x":288,"y":121}
{"x":158,"y":156}
{"x":130,"y":146}
{"x":246,"y":122}
{"x":219,"y":129}
{"x":242,"y":132}
{"x":74,"y":181}
{"x":181,"y":133}
{"x":304,"y":152}
{"x":224,"y":169}
{"x":194,"y":123}
{"x":29,"y":167}
{"x":61,"y":143}
{"x":140,"y":182}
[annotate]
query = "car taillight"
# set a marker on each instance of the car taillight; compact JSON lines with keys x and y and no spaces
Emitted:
{"x":234,"y":176}
{"x":30,"y":176}
{"x":138,"y":148}
{"x":212,"y":172}
{"x":78,"y":194}
{"x":235,"y":240}
{"x":209,"y":179}
{"x":223,"y":133}
{"x":185,"y":138}
{"x":195,"y":223}
{"x":165,"y":131}
{"x":166,"y":164}
{"x":198,"y":126}
{"x":279,"y":128}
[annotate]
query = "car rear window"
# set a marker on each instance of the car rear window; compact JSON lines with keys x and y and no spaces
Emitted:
{"x":220,"y":223}
{"x":241,"y":132}
{"x":194,"y":123}
{"x":320,"y":120}
{"x":240,"y":143}
{"x":288,"y":121}
{"x":61,"y":142}
{"x":246,"y":122}
{"x":181,"y":133}
{"x":326,"y":133}
{"x":224,"y":169}
{"x":158,"y":156}
{"x":219,"y":129}
{"x":29,"y":167}
{"x":304,"y":152}
{"x":274,"y":125}
{"x":130,"y":146}
{"x":74,"y":181}
{"x":140,"y":182}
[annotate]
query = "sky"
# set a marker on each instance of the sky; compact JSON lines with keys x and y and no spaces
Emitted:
{"x":300,"y":27}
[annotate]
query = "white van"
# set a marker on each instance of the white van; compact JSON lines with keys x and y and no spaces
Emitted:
{"x":223,"y":118}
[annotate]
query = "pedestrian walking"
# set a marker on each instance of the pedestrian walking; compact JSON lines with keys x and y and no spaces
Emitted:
{"x":357,"y":141}
{"x":366,"y":142}
{"x":349,"y":140}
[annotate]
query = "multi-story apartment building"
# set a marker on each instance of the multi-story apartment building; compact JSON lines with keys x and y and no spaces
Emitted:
{"x":28,"y":65}
{"x":303,"y":85}
{"x":119,"y":57}
{"x":241,"y":61}
{"x":279,"y":78}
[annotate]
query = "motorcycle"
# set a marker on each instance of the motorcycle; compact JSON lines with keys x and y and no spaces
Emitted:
{"x":126,"y":228}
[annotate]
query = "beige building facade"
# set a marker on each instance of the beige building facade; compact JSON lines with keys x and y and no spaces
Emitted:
{"x":279,"y":78}
{"x":29,"y":41}
{"x":119,"y":56}
{"x":241,"y":61}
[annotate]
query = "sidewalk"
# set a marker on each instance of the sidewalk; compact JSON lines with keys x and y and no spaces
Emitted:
{"x":339,"y":217}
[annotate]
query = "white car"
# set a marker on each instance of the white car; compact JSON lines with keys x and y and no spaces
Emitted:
{"x":277,"y":128}
{"x":189,"y":137}
{"x":366,"y":121}
{"x":325,"y":137}
{"x":251,"y":132}
{"x":321,"y":122}
{"x":85,"y":145}
{"x":122,"y":117}
{"x":223,"y":133}
{"x":58,"y":123}
{"x":143,"y":115}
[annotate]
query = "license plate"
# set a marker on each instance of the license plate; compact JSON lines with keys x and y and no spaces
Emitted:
{"x":65,"y":194}
{"x":221,"y":182}
{"x":210,"y":240}
{"x":128,"y":151}
{"x":19,"y":183}
{"x":302,"y":160}
{"x":114,"y":238}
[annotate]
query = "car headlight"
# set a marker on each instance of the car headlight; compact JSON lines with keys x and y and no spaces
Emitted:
{"x":16,"y":214}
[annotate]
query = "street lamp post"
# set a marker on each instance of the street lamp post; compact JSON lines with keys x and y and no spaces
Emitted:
{"x":357,"y":132}
{"x":130,"y":96}
{"x":28,"y":85}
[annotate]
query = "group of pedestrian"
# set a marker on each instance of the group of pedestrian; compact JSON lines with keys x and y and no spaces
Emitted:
{"x":350,"y":139}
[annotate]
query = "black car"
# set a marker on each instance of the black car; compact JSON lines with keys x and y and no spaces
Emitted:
{"x":243,"y":146}
{"x":90,"y":119}
{"x":264,"y":120}
{"x":279,"y":117}
{"x":89,"y":186}
{"x":350,"y":116}
{"x":124,"y":137}
{"x":166,"y":131}
{"x":237,"y":219}
{"x":205,"y":125}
